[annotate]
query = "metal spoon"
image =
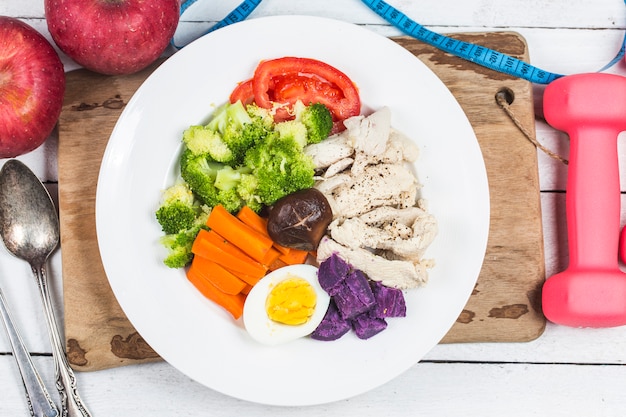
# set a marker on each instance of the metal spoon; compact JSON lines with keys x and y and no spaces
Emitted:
{"x":39,"y":401}
{"x":29,"y":226}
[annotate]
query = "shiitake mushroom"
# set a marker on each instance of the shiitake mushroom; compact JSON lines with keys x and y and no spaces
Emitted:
{"x":299,"y":220}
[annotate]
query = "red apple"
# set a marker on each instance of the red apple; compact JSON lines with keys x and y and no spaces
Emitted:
{"x":32,"y":84}
{"x":112,"y":36}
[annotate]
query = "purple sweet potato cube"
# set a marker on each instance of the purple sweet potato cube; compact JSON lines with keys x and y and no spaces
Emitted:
{"x":331,"y":273}
{"x":389,"y":301}
{"x":348,"y":303}
{"x":359,"y":285}
{"x":332,"y":326}
{"x":355,"y":296}
{"x":366,"y":326}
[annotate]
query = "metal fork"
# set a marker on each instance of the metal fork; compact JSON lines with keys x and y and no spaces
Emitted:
{"x":39,"y":402}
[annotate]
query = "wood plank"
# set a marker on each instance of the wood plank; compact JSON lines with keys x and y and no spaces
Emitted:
{"x":605,"y":14}
{"x":504,"y":306}
{"x":431,"y":389}
{"x":98,"y":334}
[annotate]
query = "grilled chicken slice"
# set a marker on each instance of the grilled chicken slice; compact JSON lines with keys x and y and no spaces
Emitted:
{"x":379,"y":185}
{"x":329,"y":151}
{"x":406,"y":242}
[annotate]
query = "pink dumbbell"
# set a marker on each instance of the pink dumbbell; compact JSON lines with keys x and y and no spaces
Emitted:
{"x":591,"y":292}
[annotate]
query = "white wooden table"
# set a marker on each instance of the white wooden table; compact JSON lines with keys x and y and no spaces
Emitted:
{"x":573,"y":372}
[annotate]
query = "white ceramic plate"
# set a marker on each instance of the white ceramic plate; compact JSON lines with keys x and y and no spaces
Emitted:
{"x":202,"y":340}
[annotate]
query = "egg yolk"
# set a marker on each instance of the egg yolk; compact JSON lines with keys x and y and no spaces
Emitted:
{"x":292,"y":301}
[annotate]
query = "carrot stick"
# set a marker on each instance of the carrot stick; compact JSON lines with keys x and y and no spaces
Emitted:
{"x":252,"y":219}
{"x":219,"y":241}
{"x":277,"y":264}
{"x":271,"y":256}
{"x":231,"y":303}
{"x":282,"y":249}
{"x":251,"y":280}
{"x":295,"y":256}
{"x":238,"y":233}
{"x":217,"y":275}
{"x":258,"y":223}
{"x":242,"y":266}
{"x":210,"y":245}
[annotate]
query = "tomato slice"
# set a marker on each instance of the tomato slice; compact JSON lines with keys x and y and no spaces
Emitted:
{"x":306,"y":88}
{"x":282,"y":81}
{"x":243,"y":92}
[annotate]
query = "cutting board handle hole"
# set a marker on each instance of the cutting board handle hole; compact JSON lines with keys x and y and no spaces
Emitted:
{"x":507,"y":94}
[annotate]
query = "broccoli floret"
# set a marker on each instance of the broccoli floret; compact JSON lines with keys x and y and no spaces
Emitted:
{"x":237,"y":130}
{"x":200,"y":172}
{"x":231,"y":200}
{"x":179,"y":244}
{"x":242,"y":139}
{"x":247,"y":190}
{"x":212,"y":182}
{"x":228,"y":114}
{"x":180,"y":229}
{"x":293,"y":129}
{"x":186,"y":157}
{"x":179,"y":252}
{"x":262,"y":115}
{"x":178,"y":256}
{"x":175,"y":217}
{"x":228,"y":178}
{"x":311,"y":124}
{"x":227,"y":182}
{"x":178,"y":210}
{"x":280,"y":168}
{"x":318,"y":121}
{"x":201,"y":140}
{"x":178,"y":192}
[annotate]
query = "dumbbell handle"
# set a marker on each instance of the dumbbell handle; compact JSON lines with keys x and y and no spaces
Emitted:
{"x":593,"y":198}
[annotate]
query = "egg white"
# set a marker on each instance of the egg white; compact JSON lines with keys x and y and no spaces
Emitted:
{"x":264,"y":330}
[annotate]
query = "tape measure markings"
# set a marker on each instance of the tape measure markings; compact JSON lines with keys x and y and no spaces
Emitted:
{"x":481,"y":55}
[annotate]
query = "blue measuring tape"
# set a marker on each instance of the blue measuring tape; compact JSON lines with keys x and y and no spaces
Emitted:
{"x":475,"y":53}
{"x":480,"y":55}
{"x":240,"y":13}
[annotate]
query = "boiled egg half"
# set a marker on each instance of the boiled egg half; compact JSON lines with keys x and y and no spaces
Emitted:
{"x":285,"y":305}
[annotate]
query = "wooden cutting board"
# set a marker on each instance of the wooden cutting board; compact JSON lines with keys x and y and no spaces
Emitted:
{"x":505,"y":304}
